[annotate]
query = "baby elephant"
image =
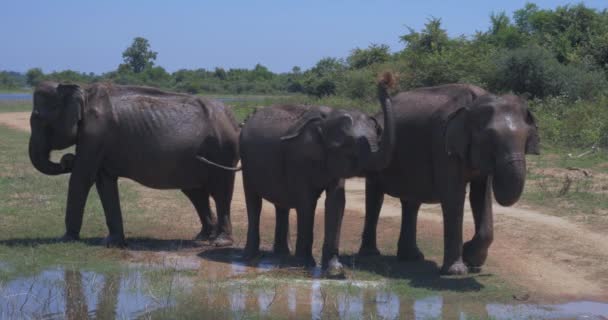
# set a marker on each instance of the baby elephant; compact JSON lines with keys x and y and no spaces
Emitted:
{"x":141,"y":133}
{"x":291,"y":154}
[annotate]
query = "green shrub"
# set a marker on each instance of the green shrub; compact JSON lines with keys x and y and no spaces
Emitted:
{"x":580,"y":124}
{"x":535,"y":71}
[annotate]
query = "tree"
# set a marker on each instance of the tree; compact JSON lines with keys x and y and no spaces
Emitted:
{"x":431,"y":39}
{"x":139,"y":56}
{"x":375,"y":53}
{"x":34,"y":76}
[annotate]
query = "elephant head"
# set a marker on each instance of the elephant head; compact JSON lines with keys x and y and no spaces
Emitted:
{"x":54,"y":123}
{"x":353,"y":142}
{"x":493,"y":135}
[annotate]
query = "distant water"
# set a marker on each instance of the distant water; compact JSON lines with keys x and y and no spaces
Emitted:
{"x":15,"y":96}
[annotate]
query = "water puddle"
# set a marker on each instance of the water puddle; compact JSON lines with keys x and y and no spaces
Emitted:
{"x":59,"y":293}
{"x":185,"y":286}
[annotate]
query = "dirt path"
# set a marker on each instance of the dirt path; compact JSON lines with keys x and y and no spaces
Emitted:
{"x":548,"y":255}
{"x":16,"y":120}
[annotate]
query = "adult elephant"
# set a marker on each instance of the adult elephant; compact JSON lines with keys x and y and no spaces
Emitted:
{"x":291,"y":154}
{"x":141,"y":133}
{"x":450,"y":136}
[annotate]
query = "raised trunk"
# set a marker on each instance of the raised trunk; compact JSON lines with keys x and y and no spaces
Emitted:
{"x":40,"y":151}
{"x":380,"y":159}
{"x":508,"y":182}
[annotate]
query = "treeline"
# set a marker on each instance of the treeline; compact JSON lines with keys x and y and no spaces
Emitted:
{"x":556,"y":57}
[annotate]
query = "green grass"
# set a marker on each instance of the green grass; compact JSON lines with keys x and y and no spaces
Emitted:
{"x":15,"y":106}
{"x":570,"y":186}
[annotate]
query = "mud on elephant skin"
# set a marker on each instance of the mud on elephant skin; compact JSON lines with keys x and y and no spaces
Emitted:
{"x":450,"y":136}
{"x":291,"y":154}
{"x":141,"y":133}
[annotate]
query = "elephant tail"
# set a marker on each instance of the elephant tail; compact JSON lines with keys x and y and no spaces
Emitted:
{"x":386,"y":81}
{"x":209,"y":162}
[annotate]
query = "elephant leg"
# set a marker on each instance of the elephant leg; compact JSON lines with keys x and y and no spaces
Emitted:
{"x":281,"y":231}
{"x":475,"y":251}
{"x":223,"y":197}
{"x":107,"y":187}
{"x":306,"y":221}
{"x":200,"y":199}
{"x":374,"y":197}
{"x":452,"y":206}
{"x":407,"y":249}
{"x":254,"y":207}
{"x":81,"y":180}
{"x":334,"y":212}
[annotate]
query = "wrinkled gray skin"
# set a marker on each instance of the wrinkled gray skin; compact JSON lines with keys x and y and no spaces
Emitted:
{"x":147,"y":135}
{"x":291,"y":154}
{"x":447,"y":137}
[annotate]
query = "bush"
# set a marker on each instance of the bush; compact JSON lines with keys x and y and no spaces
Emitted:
{"x":358,"y":85}
{"x":535,"y":71}
{"x":572,"y":124}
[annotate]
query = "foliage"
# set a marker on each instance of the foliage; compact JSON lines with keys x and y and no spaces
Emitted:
{"x":12,"y":80}
{"x":582,"y":123}
{"x":363,"y":58}
{"x":431,"y":39}
{"x":34,"y":76}
{"x":139,"y":56}
{"x":322,"y":79}
{"x":535,"y":71}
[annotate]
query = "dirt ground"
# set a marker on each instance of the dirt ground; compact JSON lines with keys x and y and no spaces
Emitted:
{"x":552,"y":257}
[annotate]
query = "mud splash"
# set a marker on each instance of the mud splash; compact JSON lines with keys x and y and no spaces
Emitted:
{"x":188,"y":287}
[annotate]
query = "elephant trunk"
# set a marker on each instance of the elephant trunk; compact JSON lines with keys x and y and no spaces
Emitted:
{"x":40,"y":151}
{"x":381,"y":158}
{"x":509,"y":179}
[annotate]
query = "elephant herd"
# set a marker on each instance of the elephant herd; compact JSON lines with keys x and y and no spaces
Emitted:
{"x":425,"y":146}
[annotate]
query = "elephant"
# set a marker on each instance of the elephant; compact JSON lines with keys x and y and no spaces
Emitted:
{"x":150,"y":136}
{"x":290,"y":154}
{"x":449,"y":136}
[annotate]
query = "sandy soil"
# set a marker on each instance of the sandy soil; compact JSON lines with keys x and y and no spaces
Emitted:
{"x":549,"y":256}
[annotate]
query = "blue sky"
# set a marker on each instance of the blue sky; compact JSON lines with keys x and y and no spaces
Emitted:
{"x":90,"y":36}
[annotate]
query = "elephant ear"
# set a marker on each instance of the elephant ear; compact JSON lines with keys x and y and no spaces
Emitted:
{"x":72,"y":100}
{"x":296,"y":129}
{"x":457,"y":137}
{"x":533,"y":140}
{"x":72,"y":97}
{"x":334,"y":130}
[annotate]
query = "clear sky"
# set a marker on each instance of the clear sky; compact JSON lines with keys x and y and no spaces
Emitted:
{"x":90,"y":36}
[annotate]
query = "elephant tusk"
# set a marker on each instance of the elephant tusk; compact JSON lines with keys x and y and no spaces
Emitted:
{"x":207,"y":161}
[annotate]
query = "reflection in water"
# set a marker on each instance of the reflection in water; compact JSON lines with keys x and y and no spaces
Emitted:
{"x":387,"y":305}
{"x":73,"y":294}
{"x":75,"y":300}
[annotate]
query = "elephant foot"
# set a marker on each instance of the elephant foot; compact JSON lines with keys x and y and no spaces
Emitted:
{"x":114,"y":241}
{"x":205,"y":235}
{"x":281,"y":250}
{"x":223,"y":240}
{"x":250,"y":254}
{"x":473,"y":256}
{"x":306,"y":261}
{"x":334,"y":269}
{"x":410,"y":254}
{"x":69,"y":237}
{"x":457,"y":268}
{"x":369,"y":251}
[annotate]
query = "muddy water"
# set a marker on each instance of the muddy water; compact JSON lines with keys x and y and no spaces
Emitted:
{"x":195,"y":287}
